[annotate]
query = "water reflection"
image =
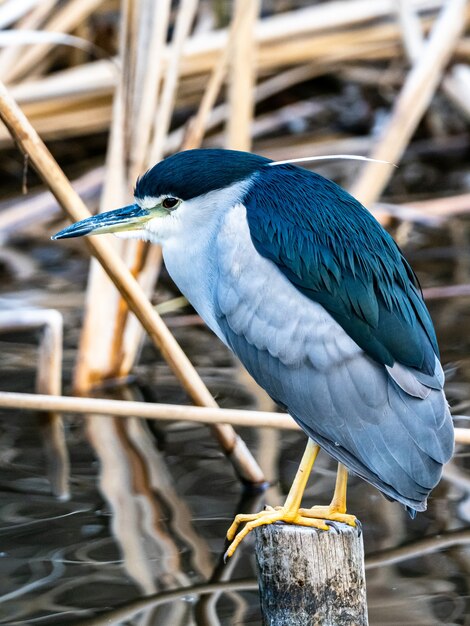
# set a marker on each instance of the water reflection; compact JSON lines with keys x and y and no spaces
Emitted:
{"x":141,"y":539}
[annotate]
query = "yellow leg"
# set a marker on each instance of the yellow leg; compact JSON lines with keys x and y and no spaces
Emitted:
{"x":288,"y":513}
{"x":336,"y":511}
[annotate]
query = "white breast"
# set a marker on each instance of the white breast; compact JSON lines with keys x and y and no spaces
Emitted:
{"x":191,"y":254}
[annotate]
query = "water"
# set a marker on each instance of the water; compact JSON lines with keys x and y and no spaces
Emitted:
{"x":143,"y":531}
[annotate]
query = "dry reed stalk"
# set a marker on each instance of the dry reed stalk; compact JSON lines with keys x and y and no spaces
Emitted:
{"x":289,"y":25}
{"x":308,"y":29}
{"x":93,"y":119}
{"x":447,"y":291}
{"x":333,"y":16}
{"x":39,"y":156}
{"x":34,"y":210}
{"x":144,"y":259}
{"x":434,"y":211}
{"x":456,"y":82}
{"x":329,"y":50}
{"x":48,"y":381}
{"x":65,"y":19}
{"x":194,"y":131}
{"x":32,"y":21}
{"x":140,"y":79}
{"x":202,"y":51}
{"x":144,"y":410}
{"x":456,"y":85}
{"x":184,"y":20}
{"x":209,"y":116}
{"x":242,"y":76}
{"x":412,"y":101}
{"x":150,"y":268}
{"x":445,"y":207}
{"x":151,"y":84}
{"x":166,"y":412}
{"x":94,"y":116}
{"x":162,"y":486}
{"x":147,"y":263}
{"x":13,"y":10}
{"x":147,"y":267}
{"x":149,"y":552}
{"x":100,"y":348}
{"x":101,"y":76}
{"x":94,"y":79}
{"x":412,"y":31}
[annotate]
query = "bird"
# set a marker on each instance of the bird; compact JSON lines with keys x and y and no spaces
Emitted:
{"x":318,"y":303}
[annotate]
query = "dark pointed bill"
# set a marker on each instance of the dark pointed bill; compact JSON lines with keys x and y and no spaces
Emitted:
{"x":130,"y":217}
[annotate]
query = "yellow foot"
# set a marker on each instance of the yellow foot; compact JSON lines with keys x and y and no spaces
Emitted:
{"x":268,"y":516}
{"x":329,"y":513}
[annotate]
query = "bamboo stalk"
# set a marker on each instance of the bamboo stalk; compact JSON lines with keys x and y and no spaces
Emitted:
{"x":164,"y":412}
{"x":412,"y":102}
{"x":30,"y":143}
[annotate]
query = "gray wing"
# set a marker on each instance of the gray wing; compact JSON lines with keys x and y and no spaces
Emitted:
{"x":386,"y":426}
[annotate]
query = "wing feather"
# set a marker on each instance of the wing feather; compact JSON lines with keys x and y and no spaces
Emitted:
{"x":336,"y":253}
{"x":342,"y":397}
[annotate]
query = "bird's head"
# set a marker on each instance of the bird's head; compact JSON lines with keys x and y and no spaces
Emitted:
{"x":176,"y":195}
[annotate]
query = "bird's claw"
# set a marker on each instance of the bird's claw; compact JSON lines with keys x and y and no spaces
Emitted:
{"x":329,"y":513}
{"x":269,"y":516}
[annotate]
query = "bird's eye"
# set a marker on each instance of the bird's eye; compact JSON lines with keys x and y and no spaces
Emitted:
{"x":170,"y":203}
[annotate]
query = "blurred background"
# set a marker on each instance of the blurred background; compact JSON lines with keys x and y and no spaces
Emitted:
{"x":120,"y":521}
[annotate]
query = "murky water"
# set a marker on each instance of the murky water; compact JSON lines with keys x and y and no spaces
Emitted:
{"x":140,"y":540}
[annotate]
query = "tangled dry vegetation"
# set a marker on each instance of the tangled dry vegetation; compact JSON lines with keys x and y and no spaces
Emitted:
{"x":113,"y":88}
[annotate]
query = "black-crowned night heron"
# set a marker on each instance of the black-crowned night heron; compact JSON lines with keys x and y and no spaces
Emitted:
{"x":317,"y":301}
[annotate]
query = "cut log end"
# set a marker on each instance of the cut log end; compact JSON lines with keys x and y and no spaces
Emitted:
{"x":311,"y":577}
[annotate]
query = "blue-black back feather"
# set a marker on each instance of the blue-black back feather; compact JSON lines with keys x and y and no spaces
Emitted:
{"x":333,"y":250}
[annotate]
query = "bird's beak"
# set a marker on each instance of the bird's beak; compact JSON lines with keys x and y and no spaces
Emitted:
{"x":131,"y":217}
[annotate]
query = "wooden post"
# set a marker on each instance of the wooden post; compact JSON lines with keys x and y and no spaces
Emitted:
{"x":310,"y":577}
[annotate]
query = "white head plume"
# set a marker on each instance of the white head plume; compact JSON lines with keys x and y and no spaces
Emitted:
{"x":331,"y":157}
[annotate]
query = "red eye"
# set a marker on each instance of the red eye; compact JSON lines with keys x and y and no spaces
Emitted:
{"x":170,"y":203}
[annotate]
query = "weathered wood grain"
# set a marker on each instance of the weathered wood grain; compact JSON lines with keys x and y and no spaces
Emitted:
{"x":310,"y":577}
